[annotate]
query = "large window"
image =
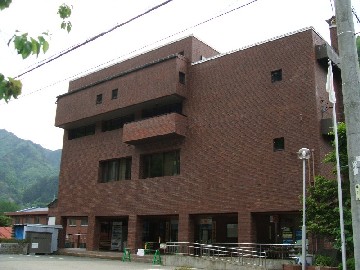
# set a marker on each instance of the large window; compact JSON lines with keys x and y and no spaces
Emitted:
{"x":116,"y":123}
{"x":161,"y":164}
{"x":81,"y":132}
{"x":115,"y":170}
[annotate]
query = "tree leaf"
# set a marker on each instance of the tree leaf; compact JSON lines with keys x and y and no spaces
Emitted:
{"x":26,"y":49}
{"x":45,"y":46}
{"x":4,"y":4}
{"x":68,"y":26}
{"x":64,"y":11}
{"x":35,"y":45}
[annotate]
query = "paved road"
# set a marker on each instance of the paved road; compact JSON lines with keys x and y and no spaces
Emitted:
{"x":56,"y":262}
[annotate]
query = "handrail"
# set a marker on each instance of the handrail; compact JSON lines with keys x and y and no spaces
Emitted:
{"x":243,"y":253}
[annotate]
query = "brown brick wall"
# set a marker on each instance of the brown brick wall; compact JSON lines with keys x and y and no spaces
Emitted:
{"x":151,"y":83}
{"x":193,"y":50}
{"x":228,"y":164}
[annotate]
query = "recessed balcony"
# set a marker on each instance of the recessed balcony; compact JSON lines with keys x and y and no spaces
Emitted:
{"x":171,"y":125}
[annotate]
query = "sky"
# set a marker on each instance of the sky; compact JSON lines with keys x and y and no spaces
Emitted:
{"x":32,"y":115}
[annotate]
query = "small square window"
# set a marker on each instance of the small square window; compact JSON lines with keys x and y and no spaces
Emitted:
{"x":84,"y":222}
{"x":114,"y":94}
{"x":276,"y":75}
{"x":279,"y":144}
{"x":72,"y":222}
{"x":181,"y":77}
{"x":99,"y":99}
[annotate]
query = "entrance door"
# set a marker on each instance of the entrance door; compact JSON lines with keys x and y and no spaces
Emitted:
{"x":206,"y":230}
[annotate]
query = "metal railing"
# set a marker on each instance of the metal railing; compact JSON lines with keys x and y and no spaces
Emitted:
{"x":242,"y":253}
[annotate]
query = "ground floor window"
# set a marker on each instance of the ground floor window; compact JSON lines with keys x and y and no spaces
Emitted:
{"x":113,"y":234}
{"x":231,"y":230}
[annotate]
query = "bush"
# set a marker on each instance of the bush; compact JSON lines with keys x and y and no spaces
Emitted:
{"x":19,"y":241}
{"x":321,"y":260}
{"x":350,"y":264}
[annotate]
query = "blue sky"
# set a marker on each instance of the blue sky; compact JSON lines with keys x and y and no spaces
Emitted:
{"x":32,"y":116}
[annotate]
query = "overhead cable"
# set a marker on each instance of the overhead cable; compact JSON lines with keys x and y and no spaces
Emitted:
{"x":136,"y":50}
{"x":94,"y":38}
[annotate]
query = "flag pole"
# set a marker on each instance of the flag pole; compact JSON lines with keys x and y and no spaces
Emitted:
{"x":332,"y":99}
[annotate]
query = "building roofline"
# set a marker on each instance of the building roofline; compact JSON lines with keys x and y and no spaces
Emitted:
{"x":258,"y":43}
{"x":121,"y":74}
{"x":140,"y":53}
{"x":35,"y":213}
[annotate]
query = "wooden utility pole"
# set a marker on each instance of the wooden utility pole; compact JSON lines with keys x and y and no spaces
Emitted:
{"x":351,"y":98}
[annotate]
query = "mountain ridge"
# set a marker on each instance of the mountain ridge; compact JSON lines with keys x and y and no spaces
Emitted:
{"x":28,"y":172}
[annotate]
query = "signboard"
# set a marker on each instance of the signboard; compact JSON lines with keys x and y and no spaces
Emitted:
{"x":116,"y":236}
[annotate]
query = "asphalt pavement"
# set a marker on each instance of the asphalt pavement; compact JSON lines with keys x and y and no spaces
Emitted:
{"x":59,"y":262}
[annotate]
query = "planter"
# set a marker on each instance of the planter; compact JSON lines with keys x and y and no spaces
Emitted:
{"x":311,"y":267}
{"x":291,"y":267}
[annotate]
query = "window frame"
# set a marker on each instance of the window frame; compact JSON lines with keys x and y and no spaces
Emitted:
{"x":182,"y":77}
{"x":71,"y":222}
{"x":232,"y":230}
{"x":111,"y":170}
{"x":116,"y":123}
{"x":82,"y":221}
{"x":276,"y":75}
{"x":154,"y":165}
{"x":83,"y":131}
{"x":114,"y":93}
{"x":279,"y":144}
{"x":99,"y":99}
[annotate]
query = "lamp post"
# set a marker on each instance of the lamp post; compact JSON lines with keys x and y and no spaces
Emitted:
{"x":303,"y":154}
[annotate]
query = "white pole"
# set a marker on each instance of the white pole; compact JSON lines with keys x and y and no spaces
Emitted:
{"x":343,"y":250}
{"x":332,"y":99}
{"x":303,"y":233}
{"x":304,"y":154}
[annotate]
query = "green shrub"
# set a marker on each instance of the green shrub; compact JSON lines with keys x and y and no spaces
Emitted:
{"x":322,"y":260}
{"x":350,"y":264}
{"x":4,"y":240}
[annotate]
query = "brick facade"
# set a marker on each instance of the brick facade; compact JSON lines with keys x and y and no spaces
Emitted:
{"x":230,"y":176}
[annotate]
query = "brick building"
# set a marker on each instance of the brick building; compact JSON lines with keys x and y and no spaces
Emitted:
{"x":182,"y":143}
{"x":34,"y":215}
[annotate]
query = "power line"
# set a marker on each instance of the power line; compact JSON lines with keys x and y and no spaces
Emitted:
{"x":93,"y":38}
{"x":354,"y":13}
{"x":136,"y":50}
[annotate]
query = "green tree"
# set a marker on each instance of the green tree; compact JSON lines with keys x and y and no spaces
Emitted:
{"x":322,"y":211}
{"x":6,"y":206}
{"x":26,"y":46}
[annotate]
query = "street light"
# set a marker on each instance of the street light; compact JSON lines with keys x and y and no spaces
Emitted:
{"x":303,"y":154}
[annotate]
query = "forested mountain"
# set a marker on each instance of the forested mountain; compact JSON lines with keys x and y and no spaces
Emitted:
{"x":28,"y":172}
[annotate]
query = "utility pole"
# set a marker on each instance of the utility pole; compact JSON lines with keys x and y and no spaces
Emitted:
{"x":351,"y":98}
